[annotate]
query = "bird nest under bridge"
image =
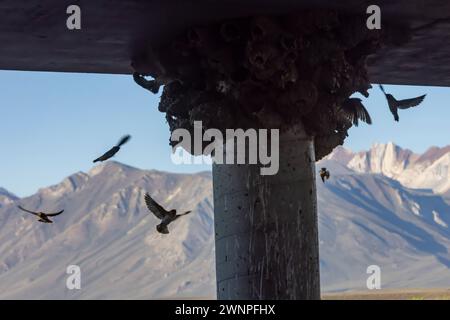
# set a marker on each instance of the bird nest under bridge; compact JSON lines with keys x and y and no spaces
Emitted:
{"x":266,"y":72}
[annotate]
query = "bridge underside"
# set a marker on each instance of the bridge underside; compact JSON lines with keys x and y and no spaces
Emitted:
{"x":33,"y":34}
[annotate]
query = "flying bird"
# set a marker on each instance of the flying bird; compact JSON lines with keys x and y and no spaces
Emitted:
{"x":110,"y":153}
{"x":354,"y":111}
{"x":324,"y":174}
{"x":43,"y":217}
{"x":166,"y":216}
{"x":394,"y":104}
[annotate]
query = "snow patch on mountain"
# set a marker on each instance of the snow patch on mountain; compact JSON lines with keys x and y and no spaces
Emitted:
{"x":438,"y":219}
{"x":429,"y":170}
{"x":415,"y":208}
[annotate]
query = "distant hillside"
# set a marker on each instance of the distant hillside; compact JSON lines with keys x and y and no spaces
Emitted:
{"x":107,"y":230}
{"x":369,"y":213}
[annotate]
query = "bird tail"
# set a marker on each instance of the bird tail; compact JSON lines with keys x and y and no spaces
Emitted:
{"x":124,"y":140}
{"x":45,"y":221}
{"x":364,"y":115}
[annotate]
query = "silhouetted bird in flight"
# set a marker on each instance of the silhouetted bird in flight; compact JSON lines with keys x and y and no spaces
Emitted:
{"x":111,"y":152}
{"x":324,"y":174}
{"x":354,"y":111}
{"x":166,"y":216}
{"x":394,"y":104}
{"x":43,"y":217}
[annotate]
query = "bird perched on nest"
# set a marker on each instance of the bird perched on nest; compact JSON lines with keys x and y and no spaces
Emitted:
{"x":111,"y":152}
{"x":324,"y":174}
{"x":354,"y":110}
{"x":151,"y":85}
{"x":166,"y":216}
{"x":394,"y":104}
{"x":43,"y":217}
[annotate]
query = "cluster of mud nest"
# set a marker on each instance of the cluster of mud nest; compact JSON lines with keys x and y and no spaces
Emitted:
{"x":266,"y":72}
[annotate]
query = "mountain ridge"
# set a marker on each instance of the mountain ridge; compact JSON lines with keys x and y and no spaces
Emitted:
{"x":106,"y":220}
{"x":365,"y":218}
{"x":6,"y":197}
{"x":430,"y":169}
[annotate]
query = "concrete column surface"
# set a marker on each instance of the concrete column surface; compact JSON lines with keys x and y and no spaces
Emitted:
{"x":266,"y":226}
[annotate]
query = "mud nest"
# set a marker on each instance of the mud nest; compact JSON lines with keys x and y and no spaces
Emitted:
{"x":266,"y":72}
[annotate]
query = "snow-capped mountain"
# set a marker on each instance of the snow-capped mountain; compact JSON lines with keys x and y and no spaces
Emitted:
{"x":430,"y":170}
{"x":369,"y":219}
{"x":367,"y":215}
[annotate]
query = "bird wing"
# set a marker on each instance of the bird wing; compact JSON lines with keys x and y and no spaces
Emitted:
{"x":154,"y":207}
{"x":54,"y":214}
{"x":409,"y":103}
{"x":108,"y":154}
{"x":355,"y":110}
{"x":32,"y":212}
{"x":124,"y":140}
{"x":180,"y":215}
{"x":362,"y":113}
{"x":183,"y":214}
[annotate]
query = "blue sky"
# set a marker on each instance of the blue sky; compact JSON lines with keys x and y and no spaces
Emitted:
{"x":55,"y":124}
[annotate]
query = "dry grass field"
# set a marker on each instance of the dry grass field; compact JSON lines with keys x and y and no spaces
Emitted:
{"x":391,"y":294}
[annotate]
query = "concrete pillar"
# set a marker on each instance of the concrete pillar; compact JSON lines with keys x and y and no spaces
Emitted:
{"x":266,"y":226}
{"x":267,"y":72}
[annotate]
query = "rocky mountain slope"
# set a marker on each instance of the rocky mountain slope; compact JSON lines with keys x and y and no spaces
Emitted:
{"x":6,"y":197}
{"x":379,"y":207}
{"x":430,"y":170}
{"x":107,"y":230}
